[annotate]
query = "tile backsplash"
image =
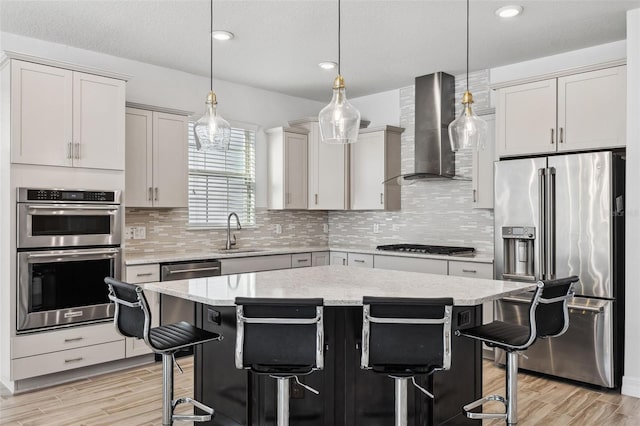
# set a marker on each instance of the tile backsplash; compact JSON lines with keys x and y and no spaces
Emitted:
{"x":433,"y":212}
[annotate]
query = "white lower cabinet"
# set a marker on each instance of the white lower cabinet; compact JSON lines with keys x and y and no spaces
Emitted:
{"x":138,"y":274}
{"x":411,"y":264}
{"x":338,"y":258}
{"x":320,"y":258}
{"x":360,"y":259}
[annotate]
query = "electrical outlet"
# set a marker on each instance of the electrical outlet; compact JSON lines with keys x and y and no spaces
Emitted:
{"x":139,"y":232}
{"x":278,"y":229}
{"x":325,"y":228}
{"x":376,"y":228}
{"x":128,"y":232}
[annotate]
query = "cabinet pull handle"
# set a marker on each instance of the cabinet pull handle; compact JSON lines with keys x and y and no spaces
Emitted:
{"x":73,"y":339}
{"x":551,"y":136}
{"x":474,"y":196}
{"x":472,"y":271}
{"x":150,"y":193}
{"x":287,"y":199}
{"x":381,"y":198}
{"x":316,"y":199}
{"x":76,"y":150}
{"x":156,"y":197}
{"x":344,"y":261}
{"x":358,"y":260}
{"x":69,"y":150}
{"x":146,"y":274}
{"x":303,"y":260}
{"x":66,"y":361}
{"x":561,"y":135}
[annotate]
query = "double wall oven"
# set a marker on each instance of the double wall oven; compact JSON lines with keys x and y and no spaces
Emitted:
{"x":68,"y":241}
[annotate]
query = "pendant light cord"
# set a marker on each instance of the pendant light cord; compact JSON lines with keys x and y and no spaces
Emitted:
{"x":467,"y":45}
{"x":339,"y":28}
{"x":211,"y":53}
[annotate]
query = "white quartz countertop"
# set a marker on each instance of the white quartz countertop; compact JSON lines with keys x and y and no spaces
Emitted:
{"x":162,"y":257}
{"x":338,"y":286}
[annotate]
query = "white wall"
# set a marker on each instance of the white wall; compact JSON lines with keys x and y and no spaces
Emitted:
{"x":631,"y":379}
{"x":380,"y":108}
{"x":153,"y":85}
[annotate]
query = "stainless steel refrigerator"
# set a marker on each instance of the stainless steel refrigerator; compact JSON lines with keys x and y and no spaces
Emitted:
{"x":558,"y":216}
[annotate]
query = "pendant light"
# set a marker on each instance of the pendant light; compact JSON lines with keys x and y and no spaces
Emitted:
{"x":339,"y":121}
{"x":212,"y":131}
{"x":468,"y":130}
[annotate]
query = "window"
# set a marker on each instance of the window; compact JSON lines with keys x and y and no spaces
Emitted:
{"x":221,"y":182}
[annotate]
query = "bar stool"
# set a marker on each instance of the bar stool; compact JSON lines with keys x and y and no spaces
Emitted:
{"x":281,"y":338}
{"x":132,"y":318}
{"x":403,"y":338}
{"x":548,"y":317}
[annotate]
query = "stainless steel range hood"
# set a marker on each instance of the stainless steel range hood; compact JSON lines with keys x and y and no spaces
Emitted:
{"x":434,"y":110}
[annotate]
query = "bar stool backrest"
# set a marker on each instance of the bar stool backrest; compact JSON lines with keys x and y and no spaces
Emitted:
{"x":406,"y":334}
{"x":132,"y":317}
{"x":279,"y":336}
{"x":550,"y":306}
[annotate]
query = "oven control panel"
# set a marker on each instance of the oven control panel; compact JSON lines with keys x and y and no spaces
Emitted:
{"x":65,"y":196}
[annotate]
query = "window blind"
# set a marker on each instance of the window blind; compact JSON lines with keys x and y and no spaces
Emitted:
{"x":221,"y":182}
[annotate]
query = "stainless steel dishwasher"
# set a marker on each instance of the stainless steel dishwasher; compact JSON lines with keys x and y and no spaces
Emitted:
{"x":174,"y":309}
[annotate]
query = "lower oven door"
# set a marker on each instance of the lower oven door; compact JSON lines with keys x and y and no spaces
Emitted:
{"x":62,"y":287}
{"x":584,"y":353}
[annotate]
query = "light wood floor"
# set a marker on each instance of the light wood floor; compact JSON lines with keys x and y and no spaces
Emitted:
{"x":132,"y":397}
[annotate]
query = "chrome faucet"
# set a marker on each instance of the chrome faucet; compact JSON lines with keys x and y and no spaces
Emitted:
{"x":229,"y":242}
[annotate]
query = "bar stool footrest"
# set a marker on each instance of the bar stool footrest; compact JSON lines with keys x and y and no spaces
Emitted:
{"x":192,"y":417}
{"x":482,"y":401}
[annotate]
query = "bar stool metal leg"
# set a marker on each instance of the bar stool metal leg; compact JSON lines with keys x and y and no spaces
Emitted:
{"x":512,"y":388}
{"x":283,"y":401}
{"x":401,"y":400}
{"x":167,"y":390}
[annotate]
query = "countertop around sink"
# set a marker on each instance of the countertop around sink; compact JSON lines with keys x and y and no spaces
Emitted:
{"x":137,"y":258}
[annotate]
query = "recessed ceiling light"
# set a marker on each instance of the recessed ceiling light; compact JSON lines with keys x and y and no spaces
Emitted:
{"x":328,"y":65}
{"x":221,"y":35}
{"x":509,"y":11}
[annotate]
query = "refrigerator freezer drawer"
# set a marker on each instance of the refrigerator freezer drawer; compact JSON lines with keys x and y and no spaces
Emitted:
{"x":584,"y":353}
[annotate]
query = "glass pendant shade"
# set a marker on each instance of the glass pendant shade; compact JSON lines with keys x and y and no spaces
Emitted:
{"x":468,"y":130}
{"x":212,"y":131}
{"x":339,"y":121}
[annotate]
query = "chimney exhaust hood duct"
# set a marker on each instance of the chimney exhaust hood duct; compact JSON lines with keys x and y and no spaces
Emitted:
{"x":434,"y":110}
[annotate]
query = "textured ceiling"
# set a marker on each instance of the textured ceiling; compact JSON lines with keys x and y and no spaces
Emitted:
{"x":278,"y":44}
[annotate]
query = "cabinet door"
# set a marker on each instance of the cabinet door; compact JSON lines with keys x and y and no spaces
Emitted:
{"x":98,"y":122}
{"x":367,"y":171}
{"x":338,"y":258}
{"x":320,"y":258}
{"x":483,"y":168}
{"x":139,"y":158}
{"x":295,"y":155}
{"x":526,"y":119}
{"x":170,"y":162}
{"x":360,"y":259}
{"x":41,"y":114}
{"x":592,"y":110}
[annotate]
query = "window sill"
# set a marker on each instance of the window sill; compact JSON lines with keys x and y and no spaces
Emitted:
{"x":218,"y":228}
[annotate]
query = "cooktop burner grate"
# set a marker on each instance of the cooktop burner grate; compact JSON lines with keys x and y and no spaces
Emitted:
{"x":427,"y":249}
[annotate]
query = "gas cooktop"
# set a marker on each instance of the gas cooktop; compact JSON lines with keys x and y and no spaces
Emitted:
{"x":426,"y":249}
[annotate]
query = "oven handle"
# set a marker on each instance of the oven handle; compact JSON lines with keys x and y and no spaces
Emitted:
{"x":71,"y":210}
{"x":74,"y":253}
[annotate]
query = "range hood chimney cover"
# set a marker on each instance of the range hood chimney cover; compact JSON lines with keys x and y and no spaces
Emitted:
{"x":434,"y":110}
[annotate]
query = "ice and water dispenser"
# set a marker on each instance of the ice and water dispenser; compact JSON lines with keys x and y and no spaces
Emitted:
{"x":519,"y":252}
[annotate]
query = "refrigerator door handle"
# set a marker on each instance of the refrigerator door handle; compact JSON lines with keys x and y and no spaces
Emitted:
{"x":542,"y":234}
{"x":550,"y":238}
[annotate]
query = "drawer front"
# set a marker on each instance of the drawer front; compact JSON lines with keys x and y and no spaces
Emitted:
{"x":471,"y":269}
{"x":411,"y":264}
{"x":359,"y":259}
{"x":142,"y":273}
{"x":59,"y":340}
{"x":300,"y":260}
{"x":55,"y":362}
{"x":255,"y":264}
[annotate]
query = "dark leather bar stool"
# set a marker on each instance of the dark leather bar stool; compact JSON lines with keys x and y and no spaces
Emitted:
{"x":404,"y":338}
{"x":132,"y":318}
{"x":281,"y":338}
{"x":548,"y":317}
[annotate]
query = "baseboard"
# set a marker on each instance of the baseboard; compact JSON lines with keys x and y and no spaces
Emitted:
{"x":631,"y":386}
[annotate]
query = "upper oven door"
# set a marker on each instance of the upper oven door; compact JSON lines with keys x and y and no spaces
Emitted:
{"x":68,"y":225}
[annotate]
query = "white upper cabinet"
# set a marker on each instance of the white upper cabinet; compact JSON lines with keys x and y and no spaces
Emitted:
{"x":287,"y":168}
{"x":66,"y":118}
{"x":327,"y":169}
{"x":482,"y":180}
{"x":157,"y":170}
{"x":572,"y":113}
{"x":374,"y":158}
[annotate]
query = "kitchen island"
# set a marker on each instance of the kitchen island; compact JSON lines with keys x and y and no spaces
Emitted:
{"x":348,"y":395}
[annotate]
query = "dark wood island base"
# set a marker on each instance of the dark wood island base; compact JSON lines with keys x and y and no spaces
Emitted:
{"x":348,"y":395}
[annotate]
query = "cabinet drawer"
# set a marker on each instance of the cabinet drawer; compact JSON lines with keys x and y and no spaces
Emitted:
{"x":471,"y":269}
{"x":359,"y":259}
{"x":300,"y":260}
{"x":255,"y":264}
{"x":53,"y":341}
{"x":411,"y":264}
{"x":55,"y":362}
{"x":142,"y":273}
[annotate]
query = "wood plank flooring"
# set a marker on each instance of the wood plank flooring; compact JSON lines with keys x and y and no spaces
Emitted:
{"x":133,"y":397}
